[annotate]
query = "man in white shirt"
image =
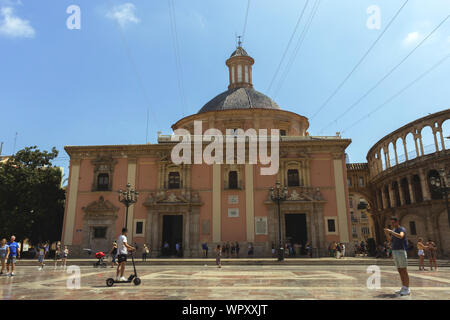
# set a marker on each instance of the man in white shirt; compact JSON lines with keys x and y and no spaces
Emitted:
{"x":122,"y":251}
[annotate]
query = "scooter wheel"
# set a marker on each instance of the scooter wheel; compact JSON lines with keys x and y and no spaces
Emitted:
{"x":110,"y":282}
{"x":137,"y":281}
{"x":95,"y":265}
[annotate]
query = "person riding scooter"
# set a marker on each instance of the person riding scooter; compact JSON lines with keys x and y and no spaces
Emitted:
{"x":122,"y":251}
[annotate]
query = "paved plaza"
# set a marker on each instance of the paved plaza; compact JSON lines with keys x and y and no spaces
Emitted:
{"x":252,"y":282}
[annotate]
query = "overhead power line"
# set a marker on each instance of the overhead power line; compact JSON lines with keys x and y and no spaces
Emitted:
{"x":176,"y":49}
{"x":386,"y":75}
{"x":298,"y":46}
{"x":135,"y":69}
{"x":359,"y":62}
{"x":245,"y":21}
{"x":288,"y":45}
{"x":398,"y":93}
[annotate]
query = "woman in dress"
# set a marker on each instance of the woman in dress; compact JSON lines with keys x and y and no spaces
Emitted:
{"x":421,"y":253}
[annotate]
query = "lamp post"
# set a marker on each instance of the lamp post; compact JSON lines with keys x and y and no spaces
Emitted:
{"x":439,"y":184}
{"x":128,"y":197}
{"x":278,"y":195}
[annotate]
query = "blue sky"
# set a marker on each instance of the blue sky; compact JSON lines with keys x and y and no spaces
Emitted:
{"x":93,"y":86}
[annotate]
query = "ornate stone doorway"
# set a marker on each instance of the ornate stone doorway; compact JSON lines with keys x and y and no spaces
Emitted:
{"x":172,"y":233}
{"x":296,"y":229}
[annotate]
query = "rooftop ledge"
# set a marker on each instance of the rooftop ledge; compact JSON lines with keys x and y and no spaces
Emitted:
{"x":164,"y":138}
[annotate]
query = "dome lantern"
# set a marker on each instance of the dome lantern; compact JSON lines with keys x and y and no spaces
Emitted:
{"x":240,"y":68}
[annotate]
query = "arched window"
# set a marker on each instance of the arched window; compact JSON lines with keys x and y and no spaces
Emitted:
{"x":293,"y":179}
{"x":232,"y":180}
{"x":103,"y":182}
{"x":174,"y":180}
{"x":435,"y":194}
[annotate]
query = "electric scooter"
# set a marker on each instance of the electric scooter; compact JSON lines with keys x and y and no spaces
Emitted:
{"x":132,"y":278}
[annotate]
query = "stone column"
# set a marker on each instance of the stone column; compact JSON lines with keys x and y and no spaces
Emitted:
{"x":424,"y":184}
{"x":391,"y":195}
{"x":421,"y":144}
{"x":417,"y":146}
{"x":187,"y":224}
{"x":383,"y":197}
{"x":400,"y":192}
{"x":412,"y":195}
{"x":395,"y":152}
{"x":435,"y":139}
{"x":442,"y":139}
{"x":406,"y":149}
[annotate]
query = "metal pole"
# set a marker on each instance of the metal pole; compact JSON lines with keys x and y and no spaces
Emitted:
{"x":126,"y":216}
{"x":280,"y":250}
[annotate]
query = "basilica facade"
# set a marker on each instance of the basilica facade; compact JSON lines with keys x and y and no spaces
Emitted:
{"x":191,"y":203}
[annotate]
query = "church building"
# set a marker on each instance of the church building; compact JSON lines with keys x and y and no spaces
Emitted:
{"x":214,"y":203}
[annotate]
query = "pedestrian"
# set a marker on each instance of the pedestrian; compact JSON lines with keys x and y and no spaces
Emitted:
{"x":237,"y":249}
{"x":166,"y":249}
{"x":273,"y":250}
{"x":334,"y":249}
{"x":338,"y":250}
{"x":218,"y":256}
{"x":41,"y":256}
{"x":233,"y":249}
{"x":227,"y":249}
{"x":57,"y":253}
{"x":205,"y":249}
{"x":4,"y":254}
{"x":122,"y":251}
{"x":432,"y":254}
{"x":343,"y":250}
{"x":145,"y":252}
{"x":250,"y":249}
{"x":65,"y":255}
{"x":177,"y":248}
{"x":399,"y":247}
{"x":14,"y":253}
{"x":113,"y":254}
{"x":421,"y":253}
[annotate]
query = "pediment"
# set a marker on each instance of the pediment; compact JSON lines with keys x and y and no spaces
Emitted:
{"x":100,"y":208}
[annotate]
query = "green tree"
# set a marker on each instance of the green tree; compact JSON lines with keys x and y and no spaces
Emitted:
{"x":31,"y":197}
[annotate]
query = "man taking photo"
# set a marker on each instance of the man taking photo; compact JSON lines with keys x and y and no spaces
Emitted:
{"x":122,"y":251}
{"x":399,"y":247}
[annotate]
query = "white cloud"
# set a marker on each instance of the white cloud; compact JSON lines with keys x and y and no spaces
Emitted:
{"x":123,"y":14}
{"x":13,"y":26}
{"x":411,"y":37}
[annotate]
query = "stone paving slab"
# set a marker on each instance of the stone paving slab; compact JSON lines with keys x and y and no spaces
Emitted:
{"x":229,"y":282}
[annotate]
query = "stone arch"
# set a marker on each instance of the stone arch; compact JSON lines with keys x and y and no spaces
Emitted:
{"x":391,"y":155}
{"x":435,"y":194}
{"x":383,"y":162}
{"x":411,"y":146}
{"x":428,"y":140}
{"x":445,"y":127}
{"x":400,"y":150}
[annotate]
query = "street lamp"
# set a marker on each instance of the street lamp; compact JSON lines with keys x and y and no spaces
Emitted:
{"x":128,"y":197}
{"x":278,"y":195}
{"x":439,"y":184}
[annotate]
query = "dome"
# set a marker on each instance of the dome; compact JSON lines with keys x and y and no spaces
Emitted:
{"x":239,"y":52}
{"x":239,"y":98}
